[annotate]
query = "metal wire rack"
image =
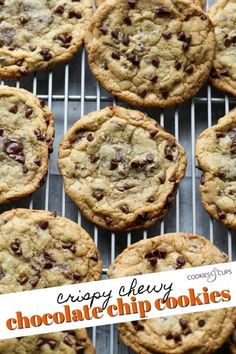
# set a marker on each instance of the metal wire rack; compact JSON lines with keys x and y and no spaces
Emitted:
{"x":71,"y":91}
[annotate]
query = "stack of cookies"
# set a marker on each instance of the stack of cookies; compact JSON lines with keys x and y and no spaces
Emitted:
{"x":120,"y":167}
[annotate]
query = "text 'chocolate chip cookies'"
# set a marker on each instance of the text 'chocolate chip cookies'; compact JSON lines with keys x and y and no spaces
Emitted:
{"x":67,"y":342}
{"x":26,"y":139}
{"x":201,"y":332}
{"x":40,"y":250}
{"x":216,"y":154}
{"x":151,"y":53}
{"x":223,"y":75}
{"x":121,"y":168}
{"x":37,"y":34}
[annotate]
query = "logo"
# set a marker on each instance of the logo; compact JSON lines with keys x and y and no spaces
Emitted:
{"x":210,"y":276}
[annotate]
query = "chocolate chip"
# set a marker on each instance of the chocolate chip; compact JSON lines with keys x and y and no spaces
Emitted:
{"x":2,"y":274}
{"x":125,"y":209}
{"x":46,"y":54}
{"x":227,"y":42}
{"x":35,"y":282}
{"x":155,"y":62}
{"x":113,"y":164}
{"x":221,"y":175}
{"x":42,"y":103}
{"x":52,"y":343}
{"x":98,"y":195}
{"x":104,"y":29}
{"x":220,"y":134}
{"x":181,"y":36}
{"x":161,"y":252}
{"x":166,"y":34}
{"x":74,"y":14}
{"x":134,"y":59}
{"x":94,"y":257}
{"x":59,"y":10}
{"x":233,"y":39}
{"x":183,"y":323}
{"x":2,"y":2}
{"x":40,"y":342}
{"x":150,"y":158}
{"x":202,"y":179}
{"x":43,"y":225}
{"x":104,"y":66}
{"x":16,"y":248}
{"x":23,"y":20}
{"x":164,"y":93}
{"x":152,"y":258}
{"x":90,"y":137}
{"x":23,"y":279}
{"x":67,"y":245}
{"x":224,"y":72}
{"x":20,"y":62}
{"x":108,"y":220}
{"x":151,"y":200}
{"x":1,"y":131}
{"x":141,"y":218}
{"x":177,"y":65}
{"x":187,"y":331}
{"x":221,"y":214}
{"x":32,"y":47}
{"x":137,"y":325}
{"x":132,"y":3}
{"x":115,"y":34}
{"x":201,"y":323}
{"x":25,"y":169}
{"x":115,"y":55}
{"x":68,"y":341}
{"x":126,"y":40}
{"x":185,"y":46}
{"x":94,"y":158}
{"x":169,"y":335}
{"x":142,"y":93}
{"x":189,"y":69}
{"x":177,"y":337}
{"x":65,"y":38}
{"x":77,"y":276}
{"x":80,"y":349}
{"x":38,"y":162}
{"x":162,"y":11}
{"x":13,"y":109}
{"x":127,"y":21}
{"x":153,"y":78}
{"x":213,"y":74}
{"x":14,"y":149}
{"x":48,"y":265}
{"x":153,"y":133}
{"x":180,"y":261}
{"x":28,"y":112}
{"x":39,"y":135}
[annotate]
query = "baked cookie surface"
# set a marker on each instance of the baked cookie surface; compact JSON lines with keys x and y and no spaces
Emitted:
{"x":202,"y":332}
{"x":232,"y":342}
{"x":151,"y":53}
{"x":39,"y":250}
{"x":202,"y":3}
{"x":26,"y":139}
{"x":37,"y":34}
{"x":67,"y":342}
{"x":121,"y":168}
{"x":223,"y":75}
{"x":216,"y":155}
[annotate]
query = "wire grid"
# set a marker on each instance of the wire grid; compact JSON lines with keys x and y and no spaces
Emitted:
{"x":71,"y":91}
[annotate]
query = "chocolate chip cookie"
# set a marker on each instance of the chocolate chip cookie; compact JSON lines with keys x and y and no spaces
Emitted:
{"x":67,"y":342}
{"x":223,"y":74}
{"x":121,"y":168}
{"x":151,"y":53}
{"x":38,"y":34}
{"x":201,"y":332}
{"x":216,"y":154}
{"x":26,"y":139}
{"x":40,"y":250}
{"x":202,"y":3}
{"x":232,"y":342}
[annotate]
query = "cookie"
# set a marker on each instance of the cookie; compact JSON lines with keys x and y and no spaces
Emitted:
{"x":40,"y":250}
{"x":216,"y":155}
{"x":232,"y":342}
{"x":201,"y":332}
{"x":121,"y":168}
{"x":151,"y":53}
{"x":26,"y":139}
{"x":67,"y":342}
{"x":202,"y":3}
{"x":223,"y":74}
{"x":38,"y":34}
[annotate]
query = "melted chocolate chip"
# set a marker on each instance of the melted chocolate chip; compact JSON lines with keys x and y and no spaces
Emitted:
{"x":201,"y":323}
{"x":162,"y":12}
{"x":90,"y":137}
{"x":152,"y":258}
{"x":177,"y":337}
{"x":181,"y":36}
{"x":169,"y":335}
{"x":43,"y":225}
{"x":65,"y":38}
{"x":94,"y":257}
{"x":23,"y":20}
{"x":153,"y":133}
{"x":150,"y":158}
{"x":39,"y":135}
{"x":115,"y":55}
{"x":1,"y":131}
{"x":77,"y":276}
{"x":151,"y":200}
{"x":126,"y":40}
{"x":180,"y":262}
{"x":32,"y":47}
{"x":23,"y":279}
{"x":108,"y":220}
{"x":125,"y":209}
{"x":59,"y":10}
{"x":127,"y":21}
{"x":220,"y":134}
{"x":46,"y":54}
{"x":142,"y":93}
{"x":52,"y":343}
{"x":185,"y":46}
{"x":134,"y":59}
{"x":13,"y":109}
{"x":16,"y":248}
{"x":166,"y":34}
{"x":14,"y":149}
{"x":220,"y":213}
{"x":141,"y":218}
{"x":202,"y":180}
{"x":177,"y":65}
{"x":224,"y":72}
{"x":40,"y":342}
{"x":25,"y":169}
{"x":79,"y":349}
{"x":104,"y":30}
{"x":98,"y":195}
{"x":94,"y":158}
{"x":35,"y":282}
{"x":187,"y":331}
{"x":189,"y":69}
{"x":74,"y":14}
{"x":68,"y":341}
{"x":115,"y":34}
{"x":132,"y":3}
{"x":28,"y":112}
{"x":183,"y":323}
{"x":2,"y":274}
{"x":153,"y":78}
{"x":156,"y":62}
{"x":113,"y":164}
{"x":137,"y":326}
{"x":227,"y":42}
